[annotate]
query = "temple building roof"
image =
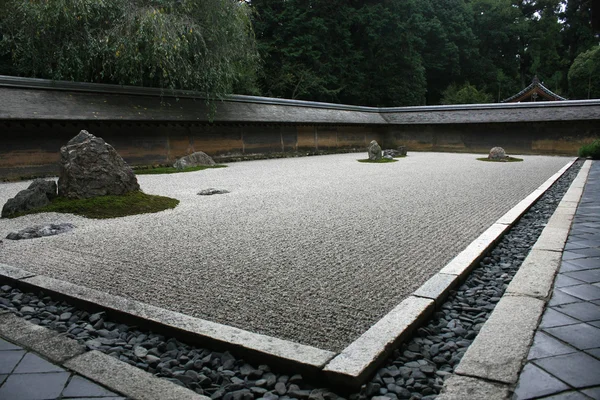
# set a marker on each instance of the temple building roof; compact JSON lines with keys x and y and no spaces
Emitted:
{"x":534,"y":92}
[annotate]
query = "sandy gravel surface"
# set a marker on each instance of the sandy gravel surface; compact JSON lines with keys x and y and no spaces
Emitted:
{"x":312,"y":249}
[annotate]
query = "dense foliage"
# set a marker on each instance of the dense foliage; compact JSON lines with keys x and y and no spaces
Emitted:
{"x":206,"y":45}
{"x":367,"y":52}
{"x":409,"y":52}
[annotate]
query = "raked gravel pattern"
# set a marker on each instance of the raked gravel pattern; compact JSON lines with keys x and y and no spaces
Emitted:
{"x":313,"y":250}
{"x":415,"y":371}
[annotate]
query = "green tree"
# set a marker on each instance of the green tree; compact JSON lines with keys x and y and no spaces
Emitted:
{"x":185,"y":44}
{"x":465,"y":94}
{"x":584,"y":75}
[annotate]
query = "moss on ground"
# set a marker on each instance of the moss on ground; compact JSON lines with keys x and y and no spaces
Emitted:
{"x":510,"y":159}
{"x":172,"y":170}
{"x":107,"y":206}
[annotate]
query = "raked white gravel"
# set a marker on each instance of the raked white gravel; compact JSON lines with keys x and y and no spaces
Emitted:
{"x":313,"y":249}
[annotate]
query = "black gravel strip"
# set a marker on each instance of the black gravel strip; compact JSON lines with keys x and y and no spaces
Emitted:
{"x":415,"y":371}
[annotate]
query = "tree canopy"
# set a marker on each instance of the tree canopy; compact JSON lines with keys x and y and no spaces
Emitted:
{"x":205,"y":45}
{"x":367,"y":52}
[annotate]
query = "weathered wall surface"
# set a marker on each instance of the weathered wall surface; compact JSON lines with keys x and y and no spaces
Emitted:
{"x":147,"y":126}
{"x":32,"y":149}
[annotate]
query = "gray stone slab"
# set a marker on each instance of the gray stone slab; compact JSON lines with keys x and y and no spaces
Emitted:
{"x":32,"y":363}
{"x":81,"y":387}
{"x":581,"y":336}
{"x":535,"y":383}
{"x":569,"y":395}
{"x":589,"y":275}
{"x":14,"y":273}
{"x":3,"y":378}
{"x":583,"y":311}
{"x":33,"y":386}
{"x":559,"y":298}
{"x":360,"y":358}
{"x":437,"y":287}
{"x":553,"y":318}
{"x":594,"y":393}
{"x":585,"y":292}
{"x":128,"y":380}
{"x":462,"y":387}
{"x":536,"y":275}
{"x":4,"y":345}
{"x":545,"y":345}
{"x":502,"y":345}
{"x":10,"y":359}
{"x":50,"y":344}
{"x":563,"y":280}
{"x":293,"y":353}
{"x":579,"y":370}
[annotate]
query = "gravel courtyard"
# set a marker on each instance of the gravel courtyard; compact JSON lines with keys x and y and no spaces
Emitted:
{"x":313,"y":249}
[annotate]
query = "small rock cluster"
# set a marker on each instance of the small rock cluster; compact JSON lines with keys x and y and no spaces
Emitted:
{"x":392,"y":153}
{"x":415,"y":371}
{"x":39,"y":231}
{"x":39,"y":194}
{"x":194,"y":160}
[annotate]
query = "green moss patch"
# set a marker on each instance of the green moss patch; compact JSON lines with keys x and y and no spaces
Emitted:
{"x":509,"y":159}
{"x":380,"y":161}
{"x":108,"y":206}
{"x":172,"y":170}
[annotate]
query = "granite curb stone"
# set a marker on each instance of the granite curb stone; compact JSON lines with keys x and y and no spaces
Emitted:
{"x":499,"y":351}
{"x":126,"y":379}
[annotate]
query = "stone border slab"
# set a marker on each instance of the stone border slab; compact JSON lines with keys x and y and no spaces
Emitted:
{"x":357,"y":361}
{"x":496,"y":353}
{"x":353,"y":365}
{"x":128,"y":380}
{"x":499,"y":351}
{"x":107,"y":371}
{"x":462,"y":387}
{"x":50,"y":344}
{"x":289,"y":353}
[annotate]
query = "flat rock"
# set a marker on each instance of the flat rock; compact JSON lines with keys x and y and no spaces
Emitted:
{"x":211,"y":191}
{"x":39,"y":231}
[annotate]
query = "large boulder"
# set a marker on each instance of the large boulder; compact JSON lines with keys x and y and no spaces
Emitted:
{"x":39,"y":231}
{"x":497,"y":154}
{"x":399,"y":152}
{"x":374,"y":151}
{"x":90,"y":167}
{"x":37,"y":195}
{"x":194,"y":160}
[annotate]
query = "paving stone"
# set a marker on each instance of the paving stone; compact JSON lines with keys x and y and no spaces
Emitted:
{"x":560,"y":298}
{"x":586,"y":252}
{"x":594,"y":393}
{"x":582,"y":311}
{"x":80,"y":387}
{"x":586,"y":263}
{"x":579,"y":370}
{"x":545,"y":345}
{"x":535,"y":382}
{"x":32,"y":363}
{"x":589,"y":275}
{"x":595,"y":323}
{"x":570,"y":255}
{"x":554,"y":318}
{"x":95,"y":398}
{"x":584,"y":292}
{"x":10,"y":359}
{"x":566,"y":266}
{"x":3,"y":378}
{"x":4,"y":345}
{"x":563,"y":280}
{"x":570,"y":395}
{"x":581,"y":336}
{"x":33,"y":386}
